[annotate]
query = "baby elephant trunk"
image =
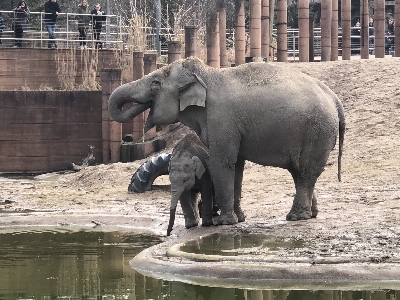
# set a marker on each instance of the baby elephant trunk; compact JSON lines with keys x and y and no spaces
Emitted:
{"x":171,"y":220}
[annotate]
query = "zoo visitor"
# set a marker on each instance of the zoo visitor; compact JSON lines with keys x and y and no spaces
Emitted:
{"x":97,"y":21}
{"x":51,"y":9}
{"x":83,"y":23}
{"x":21,"y":18}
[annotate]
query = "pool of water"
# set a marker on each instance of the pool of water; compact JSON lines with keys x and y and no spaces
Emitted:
{"x":78,"y":263}
{"x":70,"y":263}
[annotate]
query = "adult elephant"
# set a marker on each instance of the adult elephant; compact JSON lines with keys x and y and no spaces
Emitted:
{"x":261,"y":112}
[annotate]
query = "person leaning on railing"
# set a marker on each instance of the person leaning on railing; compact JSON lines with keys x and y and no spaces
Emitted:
{"x":1,"y":27}
{"x":51,"y":9}
{"x":97,"y":22}
{"x":21,"y":15}
{"x":83,"y":23}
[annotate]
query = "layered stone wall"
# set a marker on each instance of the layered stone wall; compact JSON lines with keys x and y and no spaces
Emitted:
{"x":43,"y":131}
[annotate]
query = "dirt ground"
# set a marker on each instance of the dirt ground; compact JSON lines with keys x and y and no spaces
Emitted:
{"x":359,"y":218}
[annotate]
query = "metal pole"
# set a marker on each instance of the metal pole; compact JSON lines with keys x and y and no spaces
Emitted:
{"x":108,"y":24}
{"x":158,"y":26}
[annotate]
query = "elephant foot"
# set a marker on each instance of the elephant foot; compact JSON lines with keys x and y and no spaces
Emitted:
{"x":226,"y":219}
{"x":292,"y":216}
{"x":207,"y":223}
{"x":314,"y":213}
{"x":240,"y":216}
{"x":191,"y":224}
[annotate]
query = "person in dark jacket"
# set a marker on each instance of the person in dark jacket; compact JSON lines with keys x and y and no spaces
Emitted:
{"x":52,"y":9}
{"x":83,"y":22}
{"x":97,"y":21}
{"x":21,"y":15}
{"x":389,"y":36}
{"x":371,"y":30}
{"x":1,"y":27}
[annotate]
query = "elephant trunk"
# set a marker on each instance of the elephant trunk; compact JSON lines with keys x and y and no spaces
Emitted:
{"x":171,"y":220}
{"x":174,"y":202}
{"x":128,"y":93}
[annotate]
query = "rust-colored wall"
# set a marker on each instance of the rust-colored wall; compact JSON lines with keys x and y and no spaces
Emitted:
{"x":43,"y":131}
{"x":33,"y":69}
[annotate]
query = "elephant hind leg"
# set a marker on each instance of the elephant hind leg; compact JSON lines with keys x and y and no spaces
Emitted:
{"x":305,"y":201}
{"x":314,"y":206}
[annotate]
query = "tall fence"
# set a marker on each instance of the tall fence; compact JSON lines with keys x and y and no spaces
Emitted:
{"x":35,"y":34}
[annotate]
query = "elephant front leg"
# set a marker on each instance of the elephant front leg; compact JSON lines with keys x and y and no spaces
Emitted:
{"x":239,"y":168}
{"x":189,"y":208}
{"x":207,"y":197}
{"x":224,"y":179}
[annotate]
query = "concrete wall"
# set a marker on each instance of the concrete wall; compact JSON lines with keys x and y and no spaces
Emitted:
{"x":42,"y":131}
{"x":32,"y":69}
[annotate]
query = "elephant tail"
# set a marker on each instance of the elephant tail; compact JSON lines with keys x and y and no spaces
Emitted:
{"x":145,"y":175}
{"x":342,"y":129}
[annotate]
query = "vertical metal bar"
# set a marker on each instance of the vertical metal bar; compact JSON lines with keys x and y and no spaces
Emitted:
{"x":108,"y":24}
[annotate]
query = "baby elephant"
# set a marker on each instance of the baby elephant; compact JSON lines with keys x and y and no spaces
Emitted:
{"x":189,"y":175}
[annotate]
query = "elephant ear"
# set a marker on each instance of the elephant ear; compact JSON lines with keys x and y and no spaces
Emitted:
{"x":192,"y":91}
{"x":199,"y":167}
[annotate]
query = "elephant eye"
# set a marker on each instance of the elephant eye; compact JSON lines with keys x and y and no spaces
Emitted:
{"x":155,"y":85}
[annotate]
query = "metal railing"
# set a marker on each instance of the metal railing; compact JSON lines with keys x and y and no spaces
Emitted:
{"x":293,"y":43}
{"x":35,"y":34}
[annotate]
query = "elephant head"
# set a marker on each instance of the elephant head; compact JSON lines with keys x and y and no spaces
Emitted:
{"x":167,"y":91}
{"x":184,"y":169}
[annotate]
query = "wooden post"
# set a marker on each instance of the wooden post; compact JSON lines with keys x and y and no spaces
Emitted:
{"x":304,"y":32}
{"x":334,"y":31}
{"x":281,"y":10}
{"x":149,"y":62}
{"x":190,"y":41}
{"x":255,"y":28}
{"x":265,"y":39}
{"x":222,"y":33}
{"x":213,"y":58}
{"x":138,"y":72}
{"x":397,"y":32}
{"x":149,"y":65}
{"x":326,"y":30}
{"x":111,"y":130}
{"x":240,"y":34}
{"x":364,"y":43}
{"x":346,"y":29}
{"x":174,"y":51}
{"x":379,"y":28}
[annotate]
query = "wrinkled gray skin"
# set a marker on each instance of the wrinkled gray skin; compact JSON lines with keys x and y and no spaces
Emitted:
{"x":189,"y":176}
{"x":260,"y":112}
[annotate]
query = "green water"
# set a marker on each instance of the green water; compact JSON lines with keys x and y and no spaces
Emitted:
{"x":66,"y":263}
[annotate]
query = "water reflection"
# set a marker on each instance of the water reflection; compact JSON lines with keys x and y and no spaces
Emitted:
{"x":185,"y":291}
{"x":54,"y":264}
{"x":68,"y":264}
{"x":238,"y":244}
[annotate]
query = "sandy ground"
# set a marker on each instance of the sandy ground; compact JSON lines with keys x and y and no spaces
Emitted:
{"x":358,"y":218}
